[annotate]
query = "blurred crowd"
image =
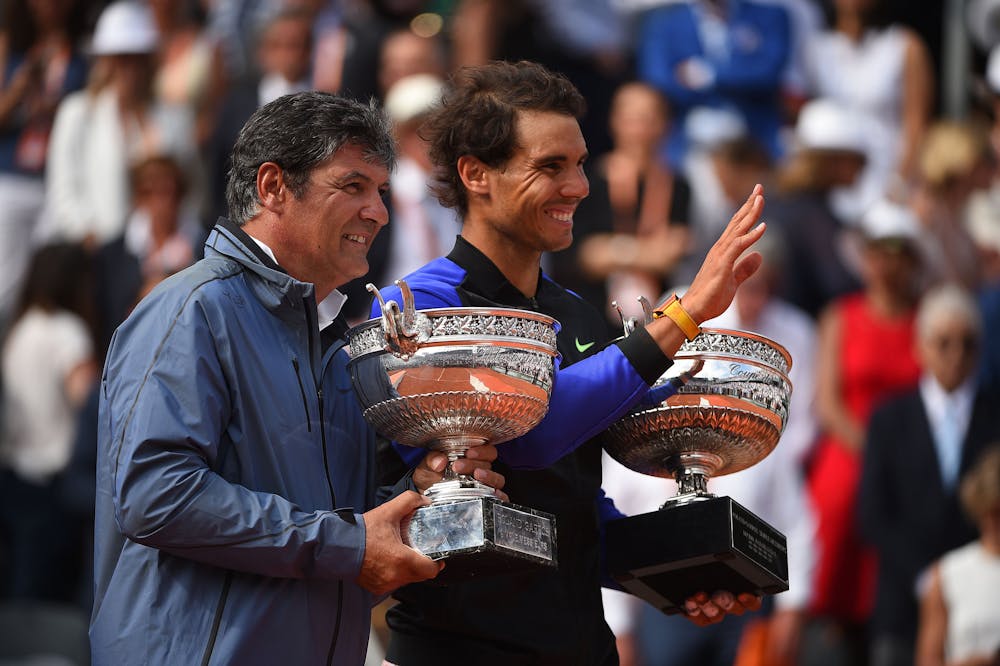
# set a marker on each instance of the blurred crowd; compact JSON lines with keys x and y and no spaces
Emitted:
{"x":881,"y":266}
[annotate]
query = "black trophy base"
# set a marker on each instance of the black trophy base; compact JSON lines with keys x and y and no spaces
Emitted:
{"x":710,"y":544}
{"x":483,"y":537}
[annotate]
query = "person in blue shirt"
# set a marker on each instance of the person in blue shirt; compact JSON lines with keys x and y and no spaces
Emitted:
{"x":509,"y":155}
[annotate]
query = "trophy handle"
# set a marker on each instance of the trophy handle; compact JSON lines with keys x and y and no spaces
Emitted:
{"x":399,"y":327}
{"x":630,"y":324}
{"x":647,"y":310}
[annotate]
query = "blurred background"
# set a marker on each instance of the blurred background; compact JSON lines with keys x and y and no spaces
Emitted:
{"x":874,"y":126}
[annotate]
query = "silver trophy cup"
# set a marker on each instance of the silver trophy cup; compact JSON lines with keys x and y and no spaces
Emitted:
{"x":450,"y":379}
{"x":728,"y":412}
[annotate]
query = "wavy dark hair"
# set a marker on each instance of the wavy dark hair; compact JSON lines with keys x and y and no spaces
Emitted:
{"x":478,"y":117}
{"x":298,"y":132}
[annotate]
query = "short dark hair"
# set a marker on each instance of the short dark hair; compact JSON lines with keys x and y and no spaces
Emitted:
{"x":478,"y":117}
{"x":298,"y":132}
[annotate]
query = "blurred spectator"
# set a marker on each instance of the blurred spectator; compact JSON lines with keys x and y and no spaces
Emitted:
{"x":422,"y":229}
{"x":284,"y":50}
{"x":158,"y":240}
{"x":99,"y":133}
{"x":774,"y":488}
{"x":881,"y":72}
{"x":720,"y":54}
{"x":959,"y":620}
{"x":807,"y":21}
{"x":191,"y":70}
{"x":709,"y":131}
{"x":954,"y":161}
{"x":367,"y":28}
{"x":582,"y":39}
{"x":48,"y":370}
{"x":631,"y":230}
{"x":829,"y":153}
{"x":39,"y":64}
{"x":917,"y":447}
{"x":235,"y":26}
{"x":404,"y":54}
{"x":853,"y":373}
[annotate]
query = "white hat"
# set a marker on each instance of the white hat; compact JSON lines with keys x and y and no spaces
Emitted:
{"x":826,"y":125}
{"x":888,"y":220}
{"x":708,"y":127}
{"x":412,"y":96}
{"x":125,"y":27}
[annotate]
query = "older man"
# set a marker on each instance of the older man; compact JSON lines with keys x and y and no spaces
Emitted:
{"x":235,"y":472}
{"x":917,"y":448}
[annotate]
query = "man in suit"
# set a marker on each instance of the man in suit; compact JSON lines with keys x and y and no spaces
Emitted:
{"x":721,"y":55}
{"x":918,"y":446}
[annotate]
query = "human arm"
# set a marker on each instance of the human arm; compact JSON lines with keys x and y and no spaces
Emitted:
{"x":666,"y":40}
{"x":916,"y":102}
{"x":23,"y":80}
{"x":166,"y":415}
{"x":933,"y":625}
{"x":832,"y":413}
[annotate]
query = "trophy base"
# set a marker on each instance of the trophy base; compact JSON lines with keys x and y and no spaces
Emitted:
{"x":483,"y":536}
{"x":710,"y":544}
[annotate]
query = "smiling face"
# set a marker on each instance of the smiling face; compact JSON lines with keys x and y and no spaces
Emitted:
{"x":527,"y":204}
{"x":327,"y":230}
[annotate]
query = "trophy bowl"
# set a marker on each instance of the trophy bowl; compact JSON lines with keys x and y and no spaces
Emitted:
{"x":449,"y":379}
{"x":727,"y":413}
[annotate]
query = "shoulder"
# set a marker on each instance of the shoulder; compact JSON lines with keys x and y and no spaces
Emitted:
{"x":74,"y":106}
{"x":208,"y":281}
{"x":434,"y":285}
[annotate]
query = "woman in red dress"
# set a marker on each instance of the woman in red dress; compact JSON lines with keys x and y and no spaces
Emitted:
{"x":865,"y":355}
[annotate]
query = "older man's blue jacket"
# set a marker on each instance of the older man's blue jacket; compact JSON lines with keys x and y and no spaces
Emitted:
{"x":234,"y":465}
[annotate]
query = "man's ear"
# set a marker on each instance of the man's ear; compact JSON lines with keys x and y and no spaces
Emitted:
{"x":271,"y":187}
{"x":474,"y":174}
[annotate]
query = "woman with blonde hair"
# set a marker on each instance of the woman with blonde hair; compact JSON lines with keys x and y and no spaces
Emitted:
{"x":959,"y":620}
{"x":101,"y":132}
{"x":954,"y":161}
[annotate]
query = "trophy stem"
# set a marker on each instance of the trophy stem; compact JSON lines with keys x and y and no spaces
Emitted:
{"x":453,"y":486}
{"x":691,"y":471}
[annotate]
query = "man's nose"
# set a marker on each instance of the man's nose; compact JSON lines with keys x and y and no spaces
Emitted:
{"x":576,"y":184}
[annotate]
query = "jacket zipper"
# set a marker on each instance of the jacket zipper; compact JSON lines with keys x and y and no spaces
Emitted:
{"x":210,"y":648}
{"x":302,"y":392}
{"x":333,"y":500}
{"x":329,"y":482}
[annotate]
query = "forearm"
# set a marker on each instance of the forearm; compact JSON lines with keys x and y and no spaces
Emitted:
{"x":587,"y":397}
{"x":167,"y":500}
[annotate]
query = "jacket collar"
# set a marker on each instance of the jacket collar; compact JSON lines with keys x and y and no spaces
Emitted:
{"x":230,"y":241}
{"x":483,"y":277}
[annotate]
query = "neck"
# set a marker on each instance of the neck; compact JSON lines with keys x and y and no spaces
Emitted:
{"x":851,"y":25}
{"x":887,"y":303}
{"x":519,"y":265}
{"x":990,"y":536}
